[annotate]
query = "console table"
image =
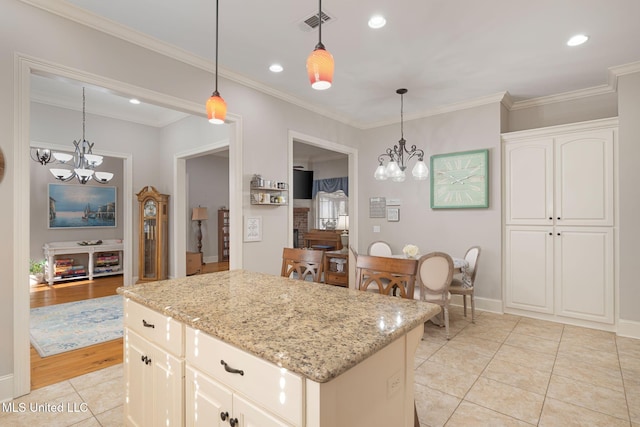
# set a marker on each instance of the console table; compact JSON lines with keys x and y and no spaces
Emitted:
{"x":99,"y":263}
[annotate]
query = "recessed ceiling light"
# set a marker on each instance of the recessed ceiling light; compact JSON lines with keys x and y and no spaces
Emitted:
{"x":577,"y":40}
{"x":377,"y":21}
{"x":276,"y":68}
{"x":134,"y":101}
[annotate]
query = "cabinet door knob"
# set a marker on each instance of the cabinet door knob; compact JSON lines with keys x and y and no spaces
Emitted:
{"x":233,"y":422}
{"x":224,"y":416}
{"x":230,"y":369}
{"x":551,"y":218}
{"x":558,"y":217}
{"x":558,"y":234}
{"x":550,"y":234}
{"x":147,"y":324}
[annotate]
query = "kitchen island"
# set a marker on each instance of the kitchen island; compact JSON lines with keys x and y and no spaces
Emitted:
{"x":247,"y":348}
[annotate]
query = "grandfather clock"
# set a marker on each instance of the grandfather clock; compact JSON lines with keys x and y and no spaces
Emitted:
{"x":153,"y":248}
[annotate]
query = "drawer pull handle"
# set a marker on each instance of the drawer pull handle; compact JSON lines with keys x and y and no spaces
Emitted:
{"x":230,"y":369}
{"x":146,"y":360}
{"x":224,"y":416}
{"x":233,"y":422}
{"x":147,"y":324}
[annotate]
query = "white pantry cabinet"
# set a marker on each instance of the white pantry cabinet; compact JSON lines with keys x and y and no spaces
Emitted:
{"x":566,"y":271}
{"x":560,"y":179}
{"x":559,"y":221}
{"x":153,"y":368}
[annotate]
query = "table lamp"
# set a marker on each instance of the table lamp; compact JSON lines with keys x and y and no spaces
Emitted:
{"x":343,"y":224}
{"x":199,"y":214}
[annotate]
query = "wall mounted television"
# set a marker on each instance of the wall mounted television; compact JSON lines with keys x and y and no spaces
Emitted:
{"x":302,"y":184}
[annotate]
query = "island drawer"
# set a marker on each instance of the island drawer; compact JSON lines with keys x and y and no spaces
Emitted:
{"x":273,"y":388}
{"x":155,"y":327}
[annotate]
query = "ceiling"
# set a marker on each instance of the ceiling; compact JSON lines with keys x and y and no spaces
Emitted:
{"x":446,"y":52}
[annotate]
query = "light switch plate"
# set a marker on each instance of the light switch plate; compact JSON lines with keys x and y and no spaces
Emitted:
{"x":376,"y":228}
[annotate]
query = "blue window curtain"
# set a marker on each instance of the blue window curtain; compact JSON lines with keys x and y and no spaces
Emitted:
{"x":330,"y":185}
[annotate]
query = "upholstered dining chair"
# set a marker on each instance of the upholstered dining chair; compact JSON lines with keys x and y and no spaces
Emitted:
{"x":435,"y":273}
{"x":379,"y":248}
{"x":304,"y":264}
{"x":465,"y":284}
{"x":382,"y":274}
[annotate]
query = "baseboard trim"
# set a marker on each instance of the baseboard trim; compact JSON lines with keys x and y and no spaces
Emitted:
{"x":482,"y":304}
{"x":628,"y":328}
{"x":6,"y":388}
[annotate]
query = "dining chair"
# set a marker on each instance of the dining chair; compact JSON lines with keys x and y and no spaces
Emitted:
{"x":435,"y":273}
{"x":379,"y":248}
{"x":303,"y":264}
{"x":382,"y":274}
{"x":465,"y":284}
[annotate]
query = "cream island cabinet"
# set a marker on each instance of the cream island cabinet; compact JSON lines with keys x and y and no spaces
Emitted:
{"x":248,"y":349}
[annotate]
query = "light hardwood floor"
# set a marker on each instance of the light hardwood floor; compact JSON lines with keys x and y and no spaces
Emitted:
{"x":53,"y":369}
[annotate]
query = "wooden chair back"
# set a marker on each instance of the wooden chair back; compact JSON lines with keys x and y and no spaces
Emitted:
{"x":302,"y":263}
{"x":385,"y":274}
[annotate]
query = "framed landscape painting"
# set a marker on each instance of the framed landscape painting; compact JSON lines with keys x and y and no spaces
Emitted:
{"x":81,"y":206}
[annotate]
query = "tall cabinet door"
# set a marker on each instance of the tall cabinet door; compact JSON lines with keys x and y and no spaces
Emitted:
{"x":584,"y":178}
{"x":529,"y":182}
{"x":584,"y":273}
{"x":529,"y":268}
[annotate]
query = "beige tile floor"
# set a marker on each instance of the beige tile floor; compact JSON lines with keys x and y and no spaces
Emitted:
{"x":501,"y":371}
{"x":508,"y":370}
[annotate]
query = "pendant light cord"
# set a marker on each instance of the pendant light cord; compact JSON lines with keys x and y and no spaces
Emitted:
{"x":402,"y":116}
{"x":216,"y":46}
{"x":320,"y":22}
{"x":83,"y":114}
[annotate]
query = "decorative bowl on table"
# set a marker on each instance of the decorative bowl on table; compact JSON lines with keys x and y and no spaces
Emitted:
{"x":90,"y":242}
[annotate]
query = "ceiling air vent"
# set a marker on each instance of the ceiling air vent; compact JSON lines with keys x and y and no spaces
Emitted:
{"x":312,"y":22}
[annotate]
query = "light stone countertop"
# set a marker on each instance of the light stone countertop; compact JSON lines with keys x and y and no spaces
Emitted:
{"x":315,"y":330}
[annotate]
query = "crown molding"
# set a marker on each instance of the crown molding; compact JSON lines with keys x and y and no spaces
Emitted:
{"x":563,"y":97}
{"x":463,"y":105}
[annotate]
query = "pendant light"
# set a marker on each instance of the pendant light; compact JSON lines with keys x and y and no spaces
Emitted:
{"x":397,"y":161}
{"x":320,"y":62}
{"x":216,"y":107}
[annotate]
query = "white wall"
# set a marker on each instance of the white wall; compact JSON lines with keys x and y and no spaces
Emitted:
{"x":629,"y":177}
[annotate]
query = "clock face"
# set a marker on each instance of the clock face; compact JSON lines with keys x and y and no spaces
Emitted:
{"x":150,"y":208}
{"x":460,"y":180}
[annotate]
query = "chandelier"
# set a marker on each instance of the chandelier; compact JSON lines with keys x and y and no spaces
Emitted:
{"x":398,"y":157}
{"x":81,"y":164}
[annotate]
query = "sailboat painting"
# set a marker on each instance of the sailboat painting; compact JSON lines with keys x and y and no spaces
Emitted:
{"x":81,"y":206}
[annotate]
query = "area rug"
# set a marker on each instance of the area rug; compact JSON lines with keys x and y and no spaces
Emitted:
{"x":65,"y":327}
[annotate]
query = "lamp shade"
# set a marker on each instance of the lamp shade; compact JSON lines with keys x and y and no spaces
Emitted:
{"x":199,"y":214}
{"x":420,"y":171}
{"x":343,"y":222}
{"x":216,"y":109}
{"x":320,"y":68}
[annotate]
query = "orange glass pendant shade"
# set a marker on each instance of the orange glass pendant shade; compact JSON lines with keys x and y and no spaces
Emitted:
{"x":320,"y":68}
{"x":216,"y":109}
